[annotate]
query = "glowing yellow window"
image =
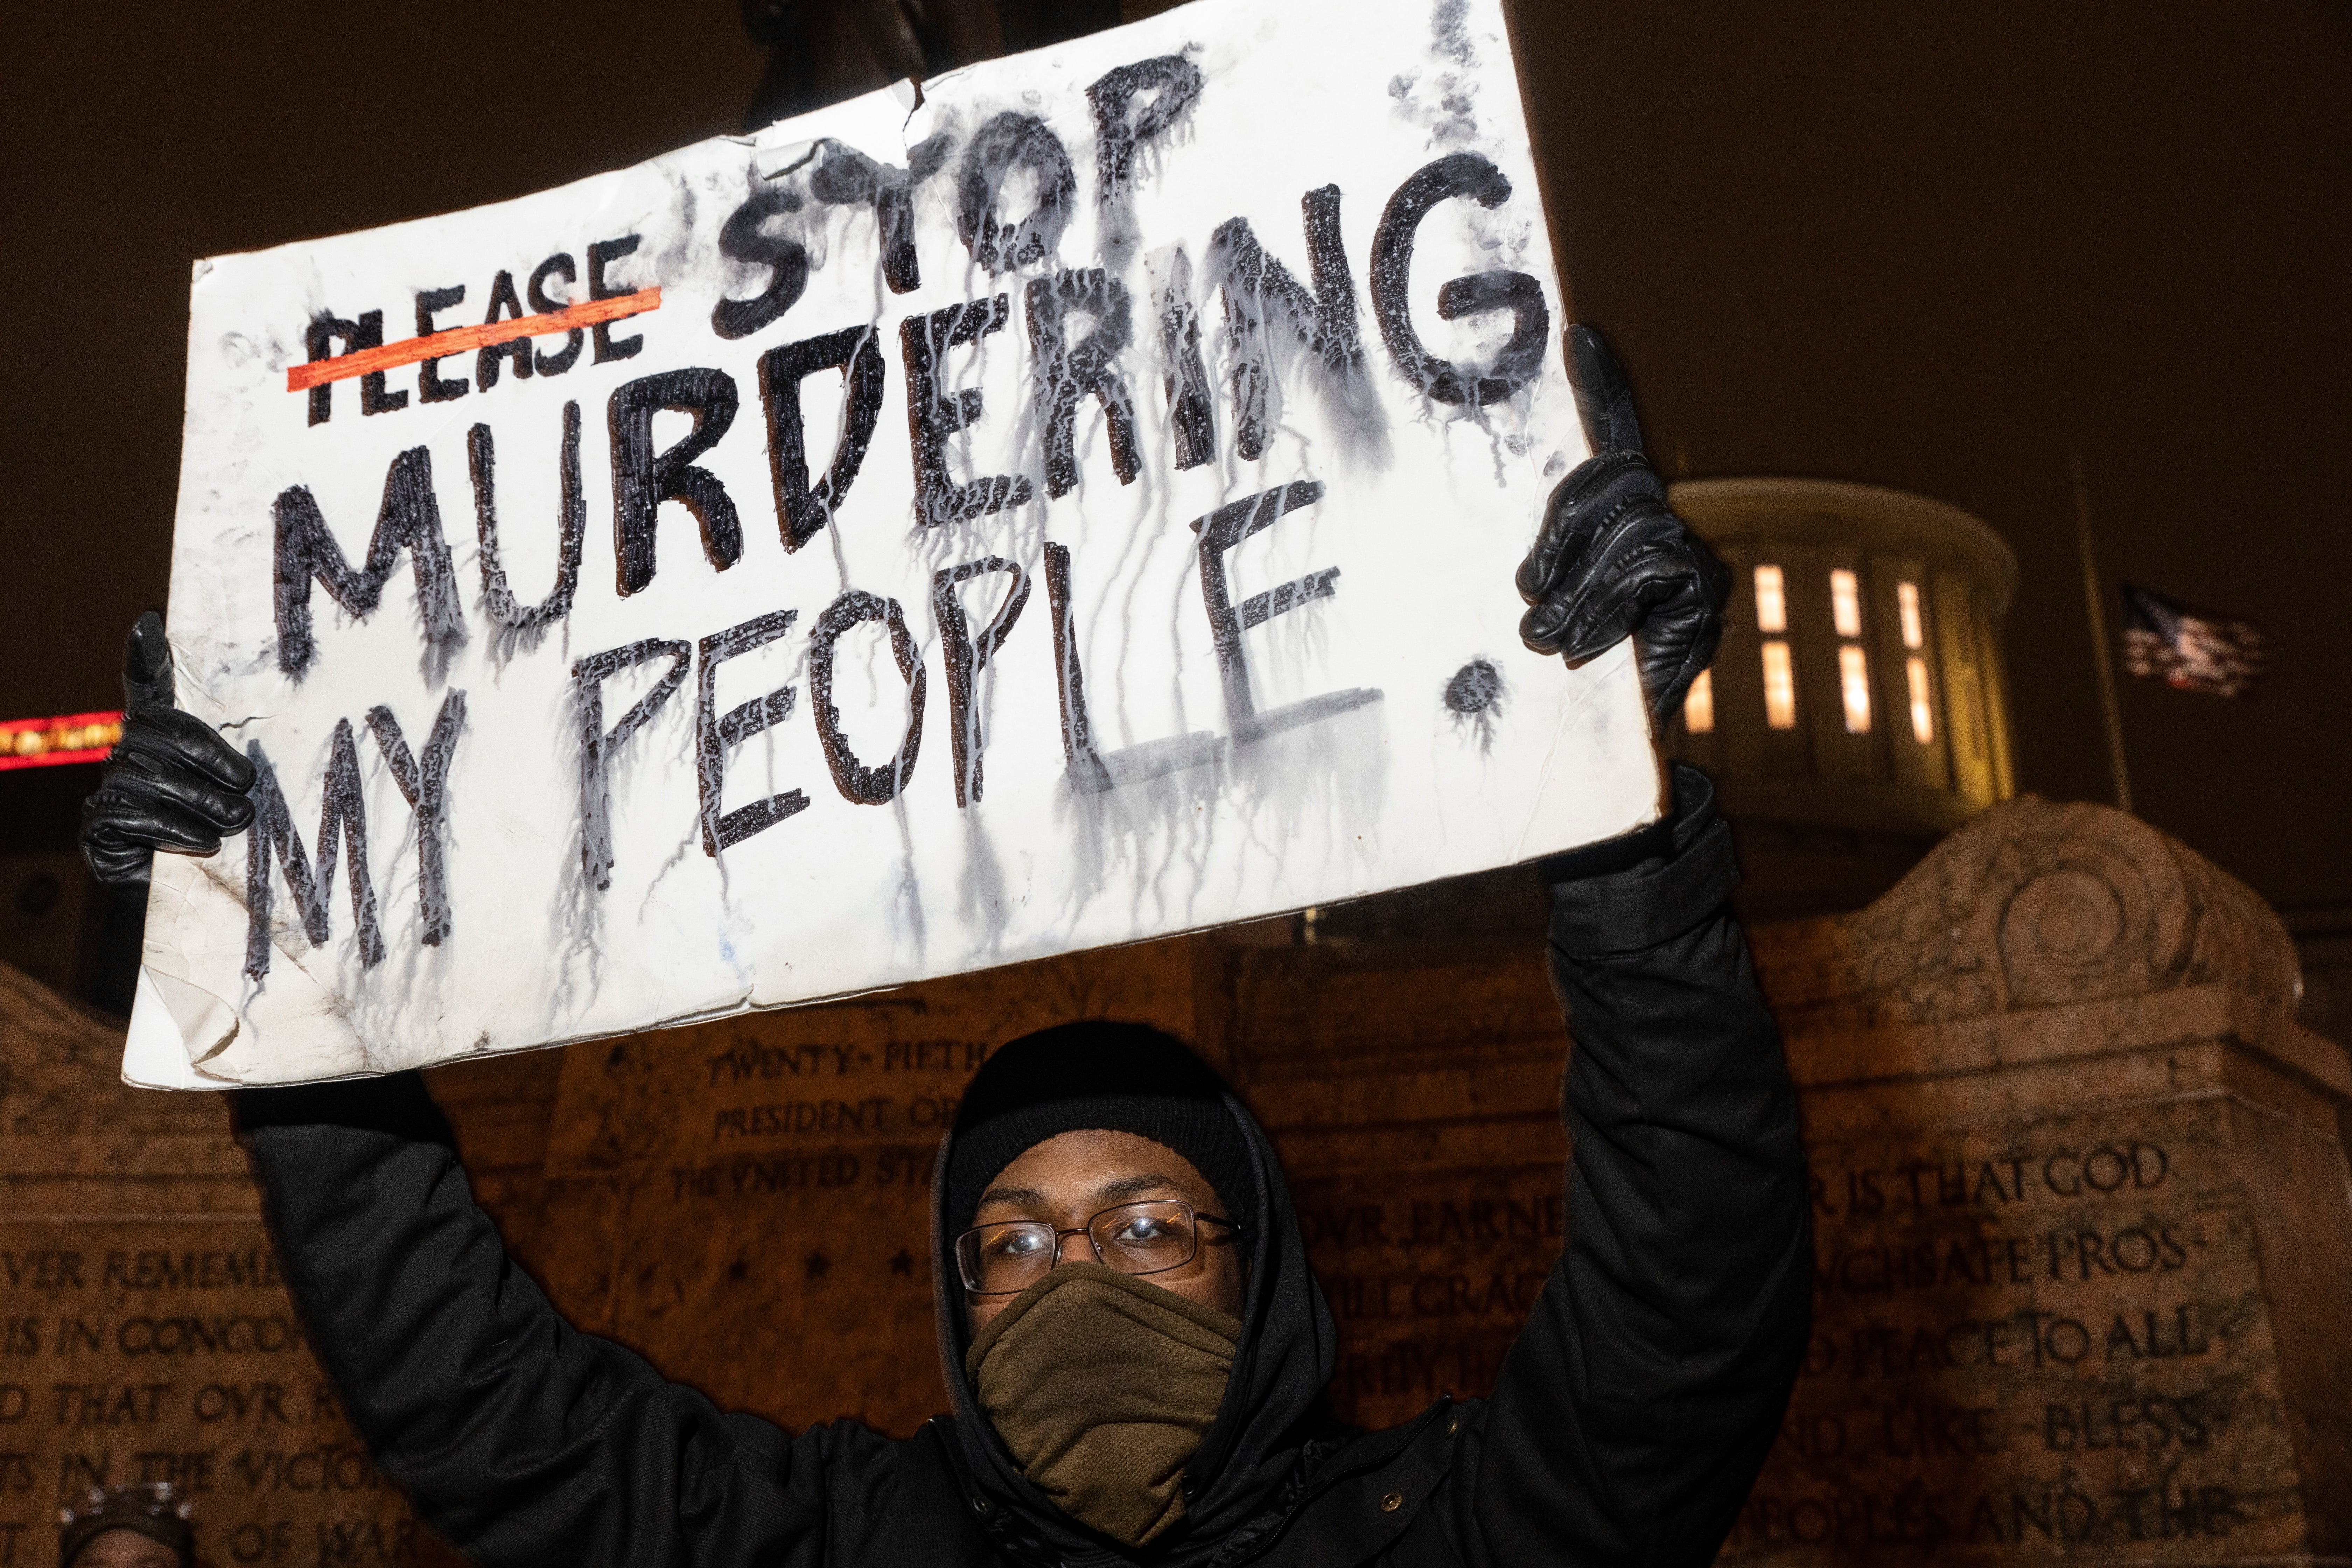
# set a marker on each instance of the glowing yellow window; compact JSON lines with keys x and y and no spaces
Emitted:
{"x":1922,"y":712}
{"x":1698,"y":705}
{"x":1845,"y":603}
{"x":1907,"y":601}
{"x":1772,"y":604}
{"x":1780,"y":686}
{"x":1853,"y":686}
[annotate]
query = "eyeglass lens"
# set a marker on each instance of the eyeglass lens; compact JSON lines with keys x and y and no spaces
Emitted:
{"x":1134,"y":1238}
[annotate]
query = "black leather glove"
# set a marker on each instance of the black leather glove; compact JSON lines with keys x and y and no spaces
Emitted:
{"x":170,"y":783}
{"x":1611,"y":561}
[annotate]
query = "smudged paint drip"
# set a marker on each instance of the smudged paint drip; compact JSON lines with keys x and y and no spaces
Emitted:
{"x":1446,"y":106}
{"x":1450,"y":32}
{"x":1474,"y":699}
{"x":1477,"y":687}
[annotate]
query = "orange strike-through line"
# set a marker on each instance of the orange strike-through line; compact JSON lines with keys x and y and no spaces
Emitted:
{"x":457,"y":339}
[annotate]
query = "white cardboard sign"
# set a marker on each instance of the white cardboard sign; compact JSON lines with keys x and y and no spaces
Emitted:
{"x":1076,"y":508}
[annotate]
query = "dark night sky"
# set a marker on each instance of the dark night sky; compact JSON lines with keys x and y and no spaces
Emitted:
{"x":1942,"y":247}
{"x":1939,"y":245}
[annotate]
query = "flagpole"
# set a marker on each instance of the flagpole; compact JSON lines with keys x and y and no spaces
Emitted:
{"x":2102,"y":656}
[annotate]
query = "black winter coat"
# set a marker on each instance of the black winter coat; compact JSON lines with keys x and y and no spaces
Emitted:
{"x":1626,"y":1425}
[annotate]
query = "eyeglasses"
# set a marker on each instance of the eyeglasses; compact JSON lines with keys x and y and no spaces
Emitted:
{"x":1134,"y":1238}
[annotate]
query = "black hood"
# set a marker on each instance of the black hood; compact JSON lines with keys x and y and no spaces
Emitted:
{"x":1273,"y":1406}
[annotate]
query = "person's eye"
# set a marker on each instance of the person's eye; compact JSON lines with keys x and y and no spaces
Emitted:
{"x":1144,"y":1230}
{"x":1017,"y":1244}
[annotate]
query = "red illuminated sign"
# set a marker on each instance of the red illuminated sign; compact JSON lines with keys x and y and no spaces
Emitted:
{"x":67,"y":737}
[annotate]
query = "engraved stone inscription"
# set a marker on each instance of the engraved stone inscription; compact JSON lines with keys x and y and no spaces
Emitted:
{"x":159,"y":1350}
{"x":2042,"y":1336}
{"x":1430,"y":1279}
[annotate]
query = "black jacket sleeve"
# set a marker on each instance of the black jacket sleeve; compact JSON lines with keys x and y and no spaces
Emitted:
{"x":1632,"y":1417}
{"x":520,"y":1440}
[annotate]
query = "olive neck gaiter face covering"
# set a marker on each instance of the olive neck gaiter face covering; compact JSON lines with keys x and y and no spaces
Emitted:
{"x":1102,"y":1386}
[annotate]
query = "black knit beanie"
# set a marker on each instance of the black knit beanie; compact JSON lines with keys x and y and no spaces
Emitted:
{"x":151,"y":1509}
{"x":1123,"y":1077}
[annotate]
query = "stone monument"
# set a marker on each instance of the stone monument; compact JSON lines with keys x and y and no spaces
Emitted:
{"x":144,"y":1335}
{"x":2083,"y":1279}
{"x":2083,"y":1222}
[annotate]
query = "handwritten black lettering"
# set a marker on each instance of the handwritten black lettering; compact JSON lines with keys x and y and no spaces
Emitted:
{"x":1470,"y":177}
{"x":860,"y":784}
{"x":1066,"y":372}
{"x":1272,"y":319}
{"x":426,"y":788}
{"x":1013,"y":141}
{"x":409,"y":519}
{"x":1184,"y":375}
{"x":1219,"y":531}
{"x":527,"y":624}
{"x":1134,"y":105}
{"x":803,"y":510}
{"x":431,"y":386}
{"x":559,"y":265}
{"x":504,"y":305}
{"x":601,"y":255}
{"x":717,"y":734}
{"x":845,"y":176}
{"x":598,"y":744}
{"x":642,"y":479}
{"x":932,"y":417}
{"x":967,"y":657}
{"x":342,"y":816}
{"x":743,"y":237}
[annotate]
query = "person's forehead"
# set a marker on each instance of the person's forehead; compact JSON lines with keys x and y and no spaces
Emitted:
{"x":123,"y":1547}
{"x":1089,"y":1165}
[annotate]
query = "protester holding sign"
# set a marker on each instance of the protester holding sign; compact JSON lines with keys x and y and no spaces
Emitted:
{"x":1013,"y":266}
{"x":1132,"y":1340}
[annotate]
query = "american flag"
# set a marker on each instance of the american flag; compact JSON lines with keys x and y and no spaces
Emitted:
{"x":2194,"y":650}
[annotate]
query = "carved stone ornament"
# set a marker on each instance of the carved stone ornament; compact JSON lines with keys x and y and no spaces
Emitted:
{"x":2031,"y":904}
